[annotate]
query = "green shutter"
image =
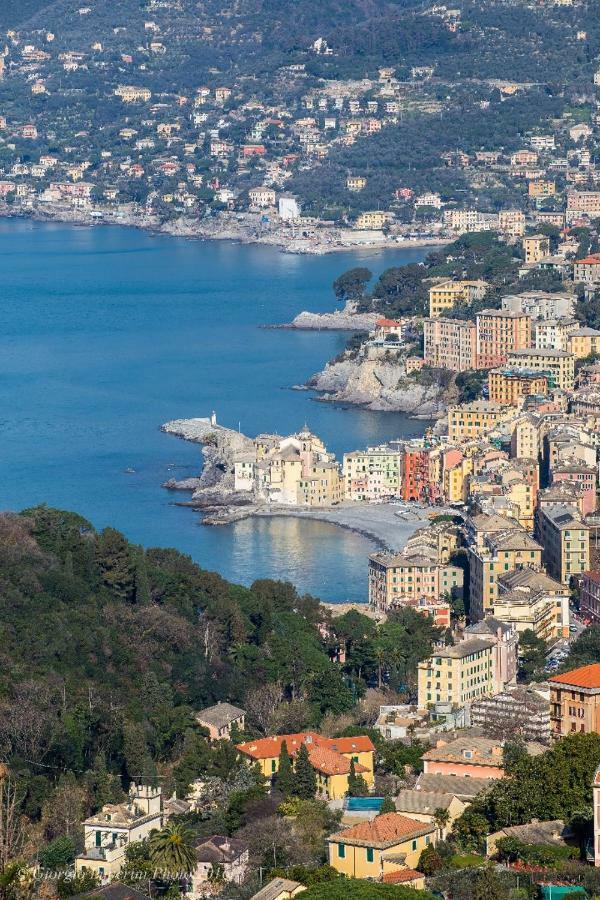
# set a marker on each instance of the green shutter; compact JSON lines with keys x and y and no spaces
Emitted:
{"x":342,"y":851}
{"x":369,"y":854}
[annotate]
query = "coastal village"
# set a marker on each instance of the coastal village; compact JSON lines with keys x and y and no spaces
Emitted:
{"x":165,"y":733}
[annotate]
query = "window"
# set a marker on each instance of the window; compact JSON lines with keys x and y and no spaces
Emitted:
{"x":369,"y":854}
{"x":414,"y":845}
{"x":342,"y":851}
{"x":273,"y":765}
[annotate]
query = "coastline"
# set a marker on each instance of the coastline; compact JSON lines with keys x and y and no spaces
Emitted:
{"x":389,"y":525}
{"x":217,"y":228}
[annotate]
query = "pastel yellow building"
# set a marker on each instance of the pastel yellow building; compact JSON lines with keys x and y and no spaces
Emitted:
{"x":356,"y":183}
{"x":582,"y":342}
{"x":536,"y":247}
{"x":375,"y":220}
{"x":500,"y":553}
{"x":389,"y":843}
{"x":447,"y":294}
{"x":458,"y":674}
{"x":559,"y":363}
{"x":471,"y":420}
{"x":329,"y":757}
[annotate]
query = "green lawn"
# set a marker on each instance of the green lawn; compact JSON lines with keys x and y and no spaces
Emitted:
{"x":464,"y":860}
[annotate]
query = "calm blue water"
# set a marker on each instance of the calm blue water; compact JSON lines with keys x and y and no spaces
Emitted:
{"x":106,"y":333}
{"x":363,"y":803}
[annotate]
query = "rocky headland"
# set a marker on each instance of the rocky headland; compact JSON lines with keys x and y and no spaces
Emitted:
{"x":378,"y":381}
{"x":346,"y":319}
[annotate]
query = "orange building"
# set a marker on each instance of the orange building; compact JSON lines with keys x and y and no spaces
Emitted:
{"x":575,"y":701}
{"x":509,"y":386}
{"x":500,"y":332}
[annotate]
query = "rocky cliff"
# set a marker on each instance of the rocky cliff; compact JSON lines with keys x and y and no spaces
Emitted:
{"x":381,"y":384}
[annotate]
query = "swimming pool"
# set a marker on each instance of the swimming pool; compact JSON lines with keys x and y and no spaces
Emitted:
{"x":363,"y":803}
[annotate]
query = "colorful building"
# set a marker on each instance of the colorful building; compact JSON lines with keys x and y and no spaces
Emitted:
{"x":330,"y":758}
{"x":389,"y":843}
{"x":575,"y":701}
{"x":450,"y":344}
{"x":447,"y":294}
{"x":499,"y":332}
{"x":560,"y":364}
{"x":507,"y":387}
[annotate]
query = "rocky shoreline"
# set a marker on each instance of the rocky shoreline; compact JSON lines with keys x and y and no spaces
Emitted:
{"x":346,"y":319}
{"x":246,"y":228}
{"x":379,"y":383}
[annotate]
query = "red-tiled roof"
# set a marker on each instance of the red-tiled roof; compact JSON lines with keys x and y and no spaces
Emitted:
{"x":270,"y":747}
{"x":332,"y":763}
{"x":584,"y":677}
{"x":593,"y":576}
{"x":388,"y":828}
{"x":402,"y":876}
{"x":389,"y":322}
{"x":594,"y":259}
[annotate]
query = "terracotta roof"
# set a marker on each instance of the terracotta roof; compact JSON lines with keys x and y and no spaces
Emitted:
{"x":584,"y":676}
{"x":402,"y":876}
{"x":593,"y":259}
{"x":331,"y":763}
{"x":593,"y":576}
{"x":383,"y":831}
{"x":269,"y":747}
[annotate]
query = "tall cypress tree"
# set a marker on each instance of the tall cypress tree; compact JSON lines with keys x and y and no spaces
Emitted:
{"x":357,"y":786}
{"x":284,"y":779}
{"x":305,"y":777}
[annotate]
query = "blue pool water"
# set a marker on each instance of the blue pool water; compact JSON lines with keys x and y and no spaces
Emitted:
{"x":106,"y":333}
{"x":356,"y":804}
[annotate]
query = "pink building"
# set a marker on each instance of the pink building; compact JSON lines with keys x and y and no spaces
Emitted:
{"x":583,"y":476}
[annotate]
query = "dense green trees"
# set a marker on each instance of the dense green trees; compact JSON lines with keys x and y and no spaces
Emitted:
{"x":554,"y":785}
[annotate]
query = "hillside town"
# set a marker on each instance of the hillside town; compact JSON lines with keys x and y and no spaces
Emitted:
{"x":219,"y":159}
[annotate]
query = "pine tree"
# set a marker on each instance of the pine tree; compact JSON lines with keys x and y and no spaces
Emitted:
{"x":357,"y":786}
{"x":142,"y":586}
{"x":284,"y":779}
{"x":305,"y":778}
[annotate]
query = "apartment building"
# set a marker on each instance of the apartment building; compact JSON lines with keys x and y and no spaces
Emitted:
{"x":447,"y":294}
{"x":472,"y":420}
{"x":375,"y":220}
{"x":587,"y":270}
{"x":566,"y":541}
{"x":589,"y":598}
{"x":530,"y":598}
{"x":372,"y":474}
{"x":262,"y":197}
{"x":536,"y":247}
{"x":541,"y":188}
{"x":559,"y":364}
{"x":507,"y":387}
{"x":512,"y":222}
{"x":575,"y":701}
{"x":450,"y":344}
{"x":582,"y":342}
{"x":499,"y":332}
{"x":519,"y":713}
{"x":457,"y":674}
{"x":477,"y":759}
{"x":552,"y":334}
{"x":582,"y":203}
{"x":540,"y":304}
{"x":410,"y":575}
{"x":501,"y":552}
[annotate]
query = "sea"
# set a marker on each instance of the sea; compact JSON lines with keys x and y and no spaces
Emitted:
{"x":108,"y":332}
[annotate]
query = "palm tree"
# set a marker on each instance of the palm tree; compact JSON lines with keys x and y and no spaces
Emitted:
{"x":172,"y":850}
{"x":441,"y":817}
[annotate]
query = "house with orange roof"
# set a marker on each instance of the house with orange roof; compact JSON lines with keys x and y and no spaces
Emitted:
{"x":329,"y":757}
{"x":377,"y":850}
{"x":575,"y":701}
